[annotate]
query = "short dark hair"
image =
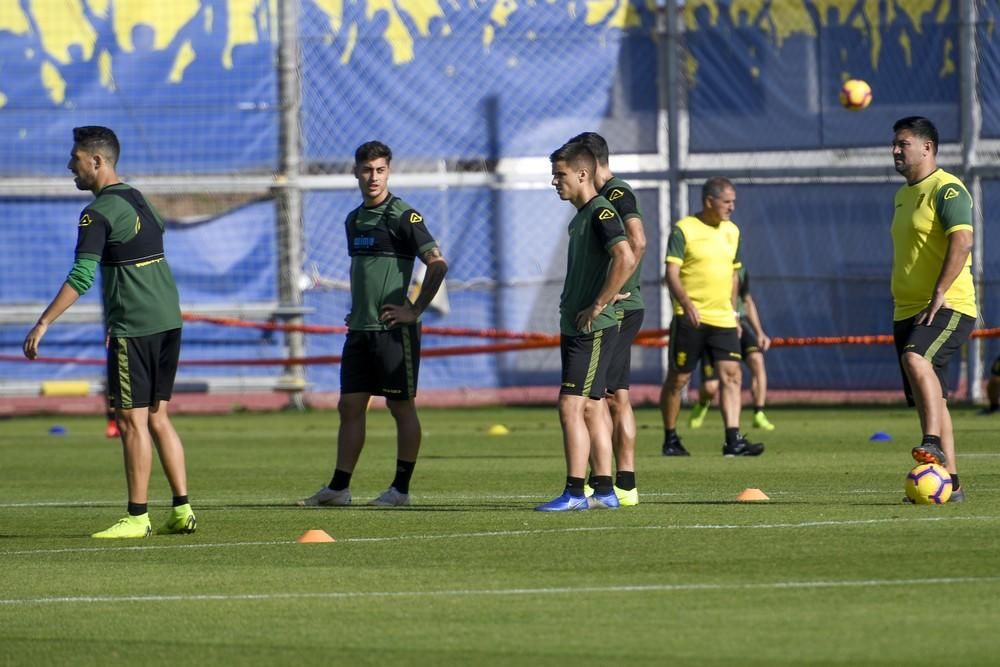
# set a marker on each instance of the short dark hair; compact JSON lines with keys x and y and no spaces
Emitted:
{"x":372,"y":150}
{"x":97,"y":139}
{"x":596,"y":143}
{"x":575,"y":154}
{"x":920,"y":127}
{"x":715,"y":186}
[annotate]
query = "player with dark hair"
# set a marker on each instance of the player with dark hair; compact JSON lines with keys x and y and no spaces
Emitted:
{"x":993,"y":389}
{"x":703,"y":258}
{"x":623,"y":430}
{"x":122,"y":232}
{"x":933,"y":293}
{"x":599,"y":261}
{"x":753,"y":344}
{"x":382,"y":352}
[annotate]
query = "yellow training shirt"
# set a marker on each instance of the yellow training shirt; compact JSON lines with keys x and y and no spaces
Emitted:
{"x":708,"y":256}
{"x":926,"y":214}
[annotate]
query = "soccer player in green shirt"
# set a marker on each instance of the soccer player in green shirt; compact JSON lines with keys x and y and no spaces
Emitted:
{"x":703,"y":257}
{"x":933,"y":293}
{"x":382,"y":351}
{"x":623,"y":430}
{"x":121,"y":231}
{"x":599,"y":261}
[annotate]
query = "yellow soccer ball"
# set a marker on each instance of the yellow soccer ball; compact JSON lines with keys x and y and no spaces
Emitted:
{"x":855,"y":94}
{"x":928,"y":484}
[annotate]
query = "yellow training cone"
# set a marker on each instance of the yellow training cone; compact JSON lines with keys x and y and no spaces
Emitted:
{"x":498,"y":429}
{"x":315,"y":536}
{"x":751,"y":495}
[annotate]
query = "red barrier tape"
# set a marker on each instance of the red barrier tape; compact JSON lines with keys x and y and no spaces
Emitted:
{"x":529,"y":341}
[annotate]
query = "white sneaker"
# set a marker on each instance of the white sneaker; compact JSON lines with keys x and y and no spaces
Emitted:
{"x":391,"y":498}
{"x":327,"y":497}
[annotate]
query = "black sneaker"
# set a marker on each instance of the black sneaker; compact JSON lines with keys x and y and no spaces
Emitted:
{"x":673,"y":447}
{"x":743,"y":447}
{"x":989,"y":410}
{"x":928,"y":453}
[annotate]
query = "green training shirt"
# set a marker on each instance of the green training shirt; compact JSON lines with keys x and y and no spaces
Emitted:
{"x":621,"y":196}
{"x":594,"y":229}
{"x":383,"y":243}
{"x":125,"y":234}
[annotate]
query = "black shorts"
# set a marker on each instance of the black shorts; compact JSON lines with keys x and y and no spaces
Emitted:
{"x":688,"y":343}
{"x":141,"y":370}
{"x":585,"y":362}
{"x":620,"y":365}
{"x":936,"y":342}
{"x":748,"y":345}
{"x":383,"y":363}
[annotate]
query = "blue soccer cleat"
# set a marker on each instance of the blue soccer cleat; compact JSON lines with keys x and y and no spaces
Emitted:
{"x":564,"y":503}
{"x":608,"y":501}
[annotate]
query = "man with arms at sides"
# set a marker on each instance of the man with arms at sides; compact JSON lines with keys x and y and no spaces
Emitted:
{"x":599,"y":262}
{"x":753,"y":344}
{"x":623,"y":431}
{"x":703,"y":256}
{"x":122,"y":232}
{"x":933,"y":293}
{"x":382,"y":352}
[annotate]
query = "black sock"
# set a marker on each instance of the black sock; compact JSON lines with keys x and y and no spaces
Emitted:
{"x":602,"y":484}
{"x":670,"y":434}
{"x":625,"y":480}
{"x":180,"y":500}
{"x":136,"y":509}
{"x":955,"y":486}
{"x":575,"y":486}
{"x":404,"y":470}
{"x":932,"y":440}
{"x":340,"y":480}
{"x":732,"y":435}
{"x":758,"y":408}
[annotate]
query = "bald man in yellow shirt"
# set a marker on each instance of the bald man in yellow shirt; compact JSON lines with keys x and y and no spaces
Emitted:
{"x":703,"y":257}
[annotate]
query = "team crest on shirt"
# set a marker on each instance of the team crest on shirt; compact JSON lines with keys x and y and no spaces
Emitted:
{"x":951,"y":193}
{"x":415,"y":218}
{"x":86,"y":220}
{"x":682,"y":357}
{"x":605,"y":214}
{"x":617,"y":193}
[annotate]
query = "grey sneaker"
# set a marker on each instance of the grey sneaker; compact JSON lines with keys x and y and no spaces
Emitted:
{"x":391,"y":498}
{"x":327,"y":497}
{"x":928,"y":453}
{"x":957,"y":496}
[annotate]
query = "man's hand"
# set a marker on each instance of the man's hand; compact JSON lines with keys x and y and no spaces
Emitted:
{"x":32,"y":340}
{"x":585,"y":318}
{"x":691,"y":314}
{"x":392,"y":315}
{"x":765,"y":342}
{"x":926,"y":316}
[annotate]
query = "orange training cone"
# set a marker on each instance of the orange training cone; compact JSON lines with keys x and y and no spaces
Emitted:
{"x":750,"y":495}
{"x":315,"y":536}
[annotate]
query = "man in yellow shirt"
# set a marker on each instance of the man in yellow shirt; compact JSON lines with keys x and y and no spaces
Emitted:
{"x":703,"y":257}
{"x":933,"y":293}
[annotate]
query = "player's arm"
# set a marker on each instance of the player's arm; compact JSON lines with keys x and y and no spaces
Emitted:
{"x":676,"y":288}
{"x":80,"y":279}
{"x":954,"y":207}
{"x":754,"y":319}
{"x":622,"y":266}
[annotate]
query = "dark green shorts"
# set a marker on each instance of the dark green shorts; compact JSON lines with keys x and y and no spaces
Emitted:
{"x":141,"y":370}
{"x":936,"y":342}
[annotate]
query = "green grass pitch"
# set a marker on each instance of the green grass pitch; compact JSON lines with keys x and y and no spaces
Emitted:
{"x":833,"y":570}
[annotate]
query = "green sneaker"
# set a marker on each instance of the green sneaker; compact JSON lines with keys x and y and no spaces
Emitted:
{"x":181,"y":521}
{"x":128,"y":527}
{"x":760,"y":421}
{"x":588,"y":490}
{"x":628,"y":498}
{"x":698,"y":413}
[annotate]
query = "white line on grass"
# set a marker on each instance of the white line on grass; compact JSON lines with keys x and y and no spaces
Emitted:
{"x":505,"y":533}
{"x":561,"y":590}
